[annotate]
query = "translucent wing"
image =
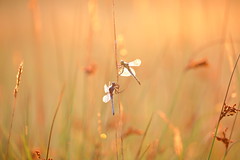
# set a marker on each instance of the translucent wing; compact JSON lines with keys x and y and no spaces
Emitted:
{"x":106,"y":88}
{"x":126,"y":72}
{"x":106,"y":98}
{"x":133,"y":71}
{"x":136,"y":62}
{"x":120,"y":70}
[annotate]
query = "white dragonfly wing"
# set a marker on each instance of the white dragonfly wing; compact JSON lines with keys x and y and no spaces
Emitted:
{"x":106,"y":98}
{"x":126,"y":73}
{"x":106,"y":88}
{"x":136,"y":62}
{"x":133,"y":71}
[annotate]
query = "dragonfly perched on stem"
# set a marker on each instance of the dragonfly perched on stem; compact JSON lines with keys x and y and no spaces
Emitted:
{"x":112,"y":88}
{"x":126,"y":70}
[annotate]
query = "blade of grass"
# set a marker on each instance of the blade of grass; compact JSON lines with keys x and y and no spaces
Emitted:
{"x":54,"y":117}
{"x":224,"y":102}
{"x":144,"y":151}
{"x":230,"y":136}
{"x":235,"y":118}
{"x":26,"y":147}
{"x":143,"y":138}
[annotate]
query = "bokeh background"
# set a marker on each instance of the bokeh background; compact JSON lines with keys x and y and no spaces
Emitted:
{"x":71,"y":43}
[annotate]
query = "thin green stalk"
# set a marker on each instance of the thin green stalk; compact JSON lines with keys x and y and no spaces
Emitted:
{"x":144,"y":151}
{"x":26,"y":147}
{"x":143,"y":138}
{"x":224,"y":102}
{"x":54,"y":117}
{"x":70,"y":109}
{"x":176,"y":94}
{"x":11,"y":126}
{"x":232,"y":146}
{"x":235,"y":118}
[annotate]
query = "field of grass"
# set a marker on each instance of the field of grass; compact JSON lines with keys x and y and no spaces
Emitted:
{"x":63,"y":52}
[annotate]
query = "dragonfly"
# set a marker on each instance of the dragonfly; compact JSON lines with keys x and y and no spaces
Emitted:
{"x":111,"y":89}
{"x":127,"y":70}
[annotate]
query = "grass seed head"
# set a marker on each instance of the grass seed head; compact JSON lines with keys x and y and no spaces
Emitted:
{"x":197,"y":64}
{"x":18,"y":79}
{"x":228,"y":111}
{"x":132,"y":131}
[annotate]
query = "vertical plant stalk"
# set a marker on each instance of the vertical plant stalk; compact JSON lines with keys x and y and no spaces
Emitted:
{"x":115,"y":39}
{"x":235,"y":118}
{"x":145,"y":151}
{"x":117,"y":77}
{"x":224,"y":102}
{"x":15,"y":93}
{"x":230,"y":136}
{"x":54,"y":117}
{"x":143,"y":138}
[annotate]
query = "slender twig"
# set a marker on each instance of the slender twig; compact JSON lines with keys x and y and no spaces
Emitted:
{"x":143,"y":138}
{"x":54,"y":117}
{"x":224,"y":102}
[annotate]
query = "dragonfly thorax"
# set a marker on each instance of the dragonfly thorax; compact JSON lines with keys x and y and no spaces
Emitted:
{"x":123,"y":63}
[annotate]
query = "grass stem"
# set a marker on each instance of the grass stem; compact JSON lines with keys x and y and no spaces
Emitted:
{"x":54,"y":117}
{"x":224,"y":102}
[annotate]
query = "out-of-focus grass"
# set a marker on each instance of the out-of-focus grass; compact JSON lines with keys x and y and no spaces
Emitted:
{"x":58,"y":39}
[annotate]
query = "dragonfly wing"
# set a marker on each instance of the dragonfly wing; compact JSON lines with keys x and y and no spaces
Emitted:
{"x":106,"y":88}
{"x":133,"y":71}
{"x":106,"y":98}
{"x":120,"y":70}
{"x":125,"y":72}
{"x":136,"y":62}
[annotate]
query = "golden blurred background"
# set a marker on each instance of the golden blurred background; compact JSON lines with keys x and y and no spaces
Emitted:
{"x":71,"y":43}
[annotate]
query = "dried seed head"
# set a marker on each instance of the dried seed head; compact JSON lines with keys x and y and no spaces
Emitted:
{"x":18,"y":79}
{"x":178,"y":147}
{"x":132,"y":131}
{"x":197,"y":64}
{"x":228,"y":111}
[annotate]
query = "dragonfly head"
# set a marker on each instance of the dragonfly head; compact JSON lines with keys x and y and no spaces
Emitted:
{"x":122,"y":62}
{"x":115,"y":85}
